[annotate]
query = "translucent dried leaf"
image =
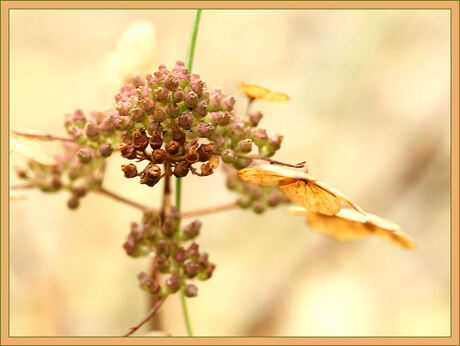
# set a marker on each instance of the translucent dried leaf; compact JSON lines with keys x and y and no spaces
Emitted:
{"x":301,"y":188}
{"x":257,"y":92}
{"x":16,"y":196}
{"x":348,"y":225}
{"x":30,"y":134}
{"x":31,"y":150}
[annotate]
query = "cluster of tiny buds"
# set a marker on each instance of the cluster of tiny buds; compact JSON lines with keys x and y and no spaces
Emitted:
{"x":170,"y":117}
{"x":78,"y":169}
{"x":176,"y":154}
{"x":163,"y":241}
{"x":258,"y":198}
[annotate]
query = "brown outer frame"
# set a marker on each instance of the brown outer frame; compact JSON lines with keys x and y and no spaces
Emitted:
{"x":454,"y":8}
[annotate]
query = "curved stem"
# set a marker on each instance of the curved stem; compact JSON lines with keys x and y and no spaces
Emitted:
{"x":189,"y":62}
{"x":210,"y":210}
{"x":152,"y":312}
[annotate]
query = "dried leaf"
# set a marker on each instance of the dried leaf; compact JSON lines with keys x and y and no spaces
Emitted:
{"x":348,"y":225}
{"x":257,"y":92}
{"x":301,"y":188}
{"x":214,"y":161}
{"x":17,"y":196}
{"x":31,"y":150}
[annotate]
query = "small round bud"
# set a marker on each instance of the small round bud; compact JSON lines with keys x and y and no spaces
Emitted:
{"x":220,"y":118}
{"x":169,"y":227}
{"x":91,"y":130}
{"x":203,"y":260}
{"x":158,"y":156}
{"x":106,"y":149}
{"x":228,"y":155}
{"x":171,"y":82}
{"x":80,"y":191}
{"x":159,"y":115}
{"x":205,"y":129}
{"x":181,"y":169}
{"x":137,"y":114}
{"x":193,"y":251}
{"x":260,"y":136}
{"x":275,"y":141}
{"x":172,"y":110}
{"x":215,"y":101}
{"x":206,"y":151}
{"x":85,"y":155}
{"x":229,"y":102}
{"x":161,"y":94}
{"x":197,"y":86}
{"x":179,"y":136}
{"x":154,"y":128}
{"x":78,"y":115}
{"x":128,"y":151}
{"x":190,"y":99}
{"x":209,"y":270}
{"x":191,"y":230}
{"x":163,"y":264}
{"x":191,"y":291}
{"x":147,"y":104}
{"x":178,"y":96}
{"x":191,"y":269}
{"x":156,"y":140}
{"x":123,"y":123}
{"x":130,"y":246}
{"x":192,"y":156}
{"x":163,"y":248}
{"x":140,"y":140}
{"x":245,"y":201}
{"x":129,"y":170}
{"x":241,"y":162}
{"x":73,"y":203}
{"x":173,"y":283}
{"x":172,"y":147}
{"x":186,"y":120}
{"x":258,"y":207}
{"x":201,"y":109}
{"x":273,"y":199}
{"x":254,"y":118}
{"x":180,"y":255}
{"x":245,"y":145}
{"x":153,"y":171}
{"x":123,"y":108}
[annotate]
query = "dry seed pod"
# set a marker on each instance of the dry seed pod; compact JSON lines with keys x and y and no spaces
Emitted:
{"x":349,"y":225}
{"x":258,"y":92}
{"x":301,"y":188}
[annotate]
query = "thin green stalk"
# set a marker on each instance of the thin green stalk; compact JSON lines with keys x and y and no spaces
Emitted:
{"x":189,"y":62}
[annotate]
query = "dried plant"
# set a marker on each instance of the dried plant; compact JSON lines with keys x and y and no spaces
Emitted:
{"x":169,"y":123}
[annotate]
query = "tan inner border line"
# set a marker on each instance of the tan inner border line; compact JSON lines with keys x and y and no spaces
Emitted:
{"x":233,"y":4}
{"x":453,"y":5}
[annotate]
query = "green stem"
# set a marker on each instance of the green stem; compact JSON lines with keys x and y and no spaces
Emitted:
{"x":189,"y":62}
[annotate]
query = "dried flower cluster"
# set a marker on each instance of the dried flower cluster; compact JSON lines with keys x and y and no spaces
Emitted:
{"x":174,"y":252}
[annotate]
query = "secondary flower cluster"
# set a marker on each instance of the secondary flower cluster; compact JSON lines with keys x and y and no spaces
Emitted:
{"x":78,"y":169}
{"x":167,"y":244}
{"x":258,"y":198}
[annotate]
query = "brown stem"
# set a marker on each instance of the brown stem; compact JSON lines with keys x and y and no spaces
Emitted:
{"x":248,"y":107}
{"x":152,"y":312}
{"x":42,"y":137}
{"x":22,"y":186}
{"x":122,"y":199}
{"x":210,"y":210}
{"x":273,"y":162}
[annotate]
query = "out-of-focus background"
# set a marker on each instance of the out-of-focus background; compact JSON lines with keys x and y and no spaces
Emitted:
{"x":369,"y":112}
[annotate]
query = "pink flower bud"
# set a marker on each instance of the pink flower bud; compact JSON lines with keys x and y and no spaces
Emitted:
{"x":148,"y":104}
{"x":215,"y":101}
{"x":91,"y":129}
{"x":178,"y":66}
{"x":205,"y":129}
{"x":137,"y":114}
{"x":143,"y":92}
{"x":276,"y":140}
{"x":178,"y":96}
{"x":254,"y":118}
{"x":201,"y":109}
{"x":123,"y":108}
{"x":159,"y":115}
{"x":172,"y":110}
{"x":191,"y":291}
{"x":190,"y":99}
{"x":186,"y":120}
{"x":229,"y":102}
{"x":245,"y":145}
{"x":108,"y":124}
{"x":197,"y":86}
{"x":78,"y":115}
{"x":161,"y":94}
{"x":171,"y":82}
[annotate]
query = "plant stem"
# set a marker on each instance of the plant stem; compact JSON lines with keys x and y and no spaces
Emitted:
{"x":41,"y":136}
{"x":210,"y":210}
{"x":122,"y":199}
{"x":189,"y":62}
{"x":148,"y":317}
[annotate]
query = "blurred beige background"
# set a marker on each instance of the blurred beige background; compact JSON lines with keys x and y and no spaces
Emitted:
{"x":369,"y":111}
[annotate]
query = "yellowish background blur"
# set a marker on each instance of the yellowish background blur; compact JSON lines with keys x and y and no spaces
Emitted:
{"x":369,"y":112}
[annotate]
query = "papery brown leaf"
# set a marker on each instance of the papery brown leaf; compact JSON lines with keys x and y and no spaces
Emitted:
{"x":214,"y":161}
{"x":257,"y":92}
{"x":17,"y":196}
{"x":31,"y":150}
{"x":349,"y":225}
{"x":301,"y":188}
